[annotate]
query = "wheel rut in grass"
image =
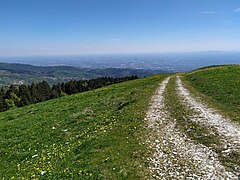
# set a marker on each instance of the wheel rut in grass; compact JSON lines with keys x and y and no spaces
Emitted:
{"x":174,"y":155}
{"x":210,"y":116}
{"x":226,"y":131}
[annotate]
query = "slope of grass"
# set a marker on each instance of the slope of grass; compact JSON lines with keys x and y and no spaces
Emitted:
{"x":93,"y":135}
{"x":221,"y":84}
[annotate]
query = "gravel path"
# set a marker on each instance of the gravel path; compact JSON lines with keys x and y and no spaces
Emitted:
{"x":228,"y":130}
{"x":174,"y":155}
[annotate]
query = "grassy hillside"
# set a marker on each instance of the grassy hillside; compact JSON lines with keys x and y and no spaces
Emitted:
{"x":221,"y":84}
{"x":93,"y":135}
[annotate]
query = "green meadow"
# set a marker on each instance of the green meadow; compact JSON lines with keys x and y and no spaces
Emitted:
{"x":98,"y":134}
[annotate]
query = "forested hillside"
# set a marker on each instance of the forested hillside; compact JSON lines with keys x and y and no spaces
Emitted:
{"x":18,"y":96}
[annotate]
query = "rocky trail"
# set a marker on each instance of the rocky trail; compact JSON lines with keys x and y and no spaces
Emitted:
{"x":177,"y":156}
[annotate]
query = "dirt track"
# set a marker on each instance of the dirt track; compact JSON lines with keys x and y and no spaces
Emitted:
{"x":174,"y":155}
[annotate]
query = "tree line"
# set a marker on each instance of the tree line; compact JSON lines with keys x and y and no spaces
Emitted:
{"x":18,"y":96}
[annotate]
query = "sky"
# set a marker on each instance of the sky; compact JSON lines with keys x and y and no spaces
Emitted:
{"x":72,"y":27}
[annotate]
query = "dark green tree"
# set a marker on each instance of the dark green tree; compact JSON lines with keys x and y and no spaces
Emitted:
{"x":24,"y":95}
{"x":35,"y":96}
{"x":44,"y":91}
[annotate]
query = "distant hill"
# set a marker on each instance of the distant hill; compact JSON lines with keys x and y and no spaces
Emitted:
{"x":24,"y":73}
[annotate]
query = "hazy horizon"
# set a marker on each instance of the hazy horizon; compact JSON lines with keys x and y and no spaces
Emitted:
{"x":161,"y":61}
{"x":122,"y":54}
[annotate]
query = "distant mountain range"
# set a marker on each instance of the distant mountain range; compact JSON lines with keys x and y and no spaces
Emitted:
{"x":56,"y":69}
{"x":25,"y":74}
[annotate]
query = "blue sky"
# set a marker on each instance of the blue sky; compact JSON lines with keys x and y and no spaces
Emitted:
{"x":55,"y":27}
